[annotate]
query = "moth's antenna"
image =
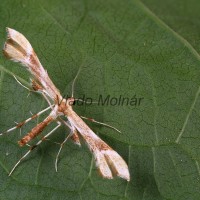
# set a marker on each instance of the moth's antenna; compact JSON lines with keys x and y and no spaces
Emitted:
{"x":74,"y":81}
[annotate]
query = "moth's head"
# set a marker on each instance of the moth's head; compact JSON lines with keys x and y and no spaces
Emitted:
{"x":70,"y":101}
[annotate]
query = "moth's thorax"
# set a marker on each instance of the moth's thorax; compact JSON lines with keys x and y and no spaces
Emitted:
{"x":65,"y":106}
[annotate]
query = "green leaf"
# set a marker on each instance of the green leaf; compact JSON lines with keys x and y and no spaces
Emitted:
{"x":124,"y":49}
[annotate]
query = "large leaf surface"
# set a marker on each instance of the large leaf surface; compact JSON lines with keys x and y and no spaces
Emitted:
{"x":122,"y":49}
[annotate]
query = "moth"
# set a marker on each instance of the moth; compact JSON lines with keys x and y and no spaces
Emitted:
{"x":109,"y":163}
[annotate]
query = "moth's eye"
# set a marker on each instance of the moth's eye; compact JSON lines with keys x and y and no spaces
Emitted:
{"x":72,"y":101}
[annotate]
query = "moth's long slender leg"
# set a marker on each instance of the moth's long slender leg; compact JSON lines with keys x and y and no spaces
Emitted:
{"x":61,"y":146}
{"x":36,"y":130}
{"x":33,"y":147}
{"x":36,"y":88}
{"x":74,"y":137}
{"x":65,"y":123}
{"x":19,"y":125}
{"x":46,"y":98}
{"x":104,"y":124}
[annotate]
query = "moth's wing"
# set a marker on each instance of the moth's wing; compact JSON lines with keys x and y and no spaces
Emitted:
{"x":18,"y":49}
{"x":108,"y":161}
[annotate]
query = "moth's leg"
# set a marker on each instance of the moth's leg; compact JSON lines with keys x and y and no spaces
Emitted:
{"x":104,"y":124}
{"x":19,"y":125}
{"x":36,"y":87}
{"x":36,"y":130}
{"x":74,"y":137}
{"x":61,"y":146}
{"x":33,"y":147}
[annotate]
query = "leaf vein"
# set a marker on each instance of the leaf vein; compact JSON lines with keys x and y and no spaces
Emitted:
{"x":188,"y":116}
